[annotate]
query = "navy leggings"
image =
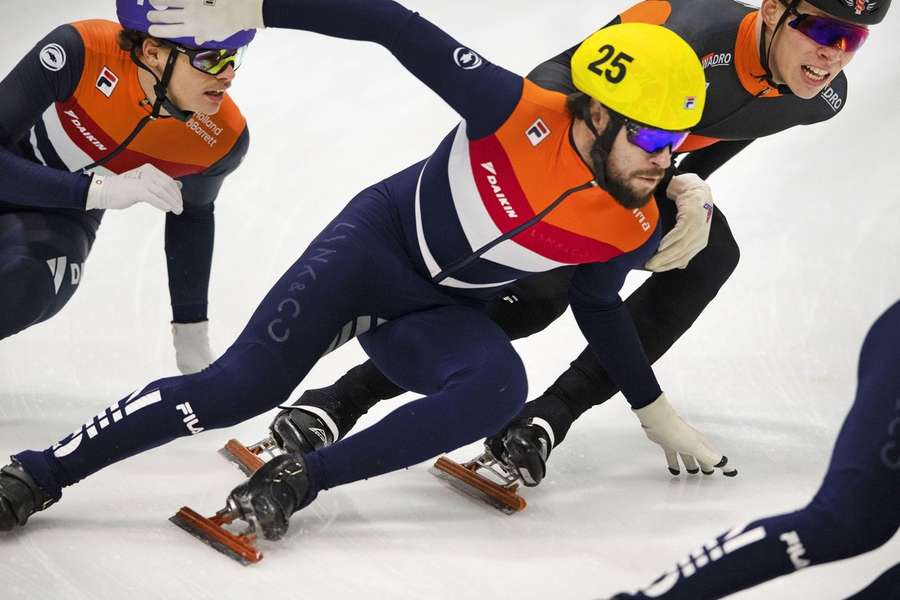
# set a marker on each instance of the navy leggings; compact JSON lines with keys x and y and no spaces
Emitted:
{"x":356,"y":278}
{"x":857,"y":508}
{"x":41,"y":263}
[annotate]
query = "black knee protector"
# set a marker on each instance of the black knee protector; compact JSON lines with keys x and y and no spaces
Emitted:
{"x":531,"y":304}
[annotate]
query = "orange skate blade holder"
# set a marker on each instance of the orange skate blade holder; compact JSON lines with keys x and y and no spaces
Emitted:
{"x":210,"y":531}
{"x":247,"y":458}
{"x":466,"y":479}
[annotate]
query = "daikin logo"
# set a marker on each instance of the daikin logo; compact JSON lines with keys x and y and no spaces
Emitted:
{"x":498,"y":191}
{"x":57,"y":268}
{"x":74,"y":119}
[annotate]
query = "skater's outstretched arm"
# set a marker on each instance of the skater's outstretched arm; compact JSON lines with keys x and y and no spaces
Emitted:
{"x":610,"y":331}
{"x":482,"y":93}
{"x":189,"y":243}
{"x":855,"y":510}
{"x":48,"y":73}
{"x":613,"y":337}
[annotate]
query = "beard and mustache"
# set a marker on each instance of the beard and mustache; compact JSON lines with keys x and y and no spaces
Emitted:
{"x":615,"y":181}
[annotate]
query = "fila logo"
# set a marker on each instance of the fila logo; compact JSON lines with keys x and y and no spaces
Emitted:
{"x":190,"y":419}
{"x":734,"y":540}
{"x":58,"y":272}
{"x":690,"y":102}
{"x":538,"y":132}
{"x":107,"y":82}
{"x":795,"y":549}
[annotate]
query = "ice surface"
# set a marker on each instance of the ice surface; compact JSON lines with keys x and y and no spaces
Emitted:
{"x":768,"y":371}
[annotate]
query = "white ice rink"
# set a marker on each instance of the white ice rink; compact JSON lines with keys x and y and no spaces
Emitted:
{"x":768,"y":370}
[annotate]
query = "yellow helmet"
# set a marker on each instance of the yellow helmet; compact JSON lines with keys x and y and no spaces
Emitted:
{"x":646,"y":73}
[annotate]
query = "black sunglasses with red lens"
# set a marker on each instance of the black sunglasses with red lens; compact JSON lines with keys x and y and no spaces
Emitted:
{"x":829,"y":32}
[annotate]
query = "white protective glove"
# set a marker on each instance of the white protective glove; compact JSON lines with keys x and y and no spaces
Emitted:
{"x":663,"y":426}
{"x":204,"y":20}
{"x":694,"y":200}
{"x":192,"y":350}
{"x":143,"y":184}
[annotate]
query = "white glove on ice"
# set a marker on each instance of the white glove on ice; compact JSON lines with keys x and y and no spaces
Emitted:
{"x":192,"y":351}
{"x":204,"y":20}
{"x":143,"y":184}
{"x":694,"y":200}
{"x":663,"y":426}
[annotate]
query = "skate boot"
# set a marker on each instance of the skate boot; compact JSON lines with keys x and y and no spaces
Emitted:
{"x":277,"y":490}
{"x":20,"y":497}
{"x":299,"y":430}
{"x":302,"y":427}
{"x":318,"y":419}
{"x":518,"y":454}
{"x":338,"y":407}
{"x":524,"y":448}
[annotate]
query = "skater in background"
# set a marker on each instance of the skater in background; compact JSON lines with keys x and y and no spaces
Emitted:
{"x":101,"y":116}
{"x":529,"y":180}
{"x":769,"y":69}
{"x":856,"y":510}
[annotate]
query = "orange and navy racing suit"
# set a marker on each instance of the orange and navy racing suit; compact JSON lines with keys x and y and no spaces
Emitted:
{"x":70,"y":102}
{"x":408,"y":266}
{"x":741,"y":106}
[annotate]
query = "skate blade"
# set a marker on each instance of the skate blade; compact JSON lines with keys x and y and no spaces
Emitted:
{"x":476,"y":486}
{"x":210,"y":531}
{"x":246,"y":459}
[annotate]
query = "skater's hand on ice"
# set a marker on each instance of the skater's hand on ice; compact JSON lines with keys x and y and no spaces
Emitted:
{"x":690,"y":235}
{"x":143,"y":184}
{"x":203,"y":20}
{"x":665,"y":427}
{"x":192,"y":350}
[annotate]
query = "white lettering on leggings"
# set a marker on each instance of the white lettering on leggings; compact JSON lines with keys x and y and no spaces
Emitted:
{"x":712,"y":551}
{"x":795,"y":549}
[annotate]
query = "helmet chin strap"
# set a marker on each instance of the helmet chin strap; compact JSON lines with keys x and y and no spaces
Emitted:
{"x":602,"y":146}
{"x":766,"y":49}
{"x":161,"y":88}
{"x":162,"y":102}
